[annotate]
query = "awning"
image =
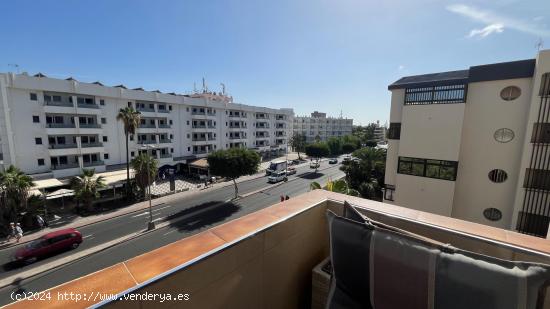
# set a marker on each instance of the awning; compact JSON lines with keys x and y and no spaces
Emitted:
{"x":59,"y":193}
{"x":115,"y":177}
{"x":200,"y":163}
{"x":46,"y":183}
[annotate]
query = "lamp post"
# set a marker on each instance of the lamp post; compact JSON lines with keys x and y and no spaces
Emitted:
{"x":151,"y":224}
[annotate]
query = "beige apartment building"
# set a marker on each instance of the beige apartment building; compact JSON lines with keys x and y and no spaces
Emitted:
{"x":320,"y":127}
{"x":474,"y":144}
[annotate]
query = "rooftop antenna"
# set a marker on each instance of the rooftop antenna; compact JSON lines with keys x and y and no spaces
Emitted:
{"x":539,"y":45}
{"x":15,"y":65}
{"x":341,"y":114}
{"x":194,"y":87}
{"x":223,"y":88}
{"x":204,"y":87}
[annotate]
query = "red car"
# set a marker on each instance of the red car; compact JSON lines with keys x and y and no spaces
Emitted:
{"x":48,"y":244}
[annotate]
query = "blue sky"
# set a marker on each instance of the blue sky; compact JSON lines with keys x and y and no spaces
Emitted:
{"x":332,"y":56}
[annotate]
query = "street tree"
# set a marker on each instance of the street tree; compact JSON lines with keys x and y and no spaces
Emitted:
{"x":86,"y":187}
{"x":335,"y":146}
{"x":14,"y":191}
{"x":348,"y":147}
{"x":233,"y":163}
{"x":317,"y":151}
{"x":142,"y":165}
{"x":298,"y":143}
{"x":130,"y":119}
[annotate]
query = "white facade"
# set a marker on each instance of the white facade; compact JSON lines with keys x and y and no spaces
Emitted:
{"x":462,"y":142}
{"x":319,"y":126}
{"x":54,"y":128}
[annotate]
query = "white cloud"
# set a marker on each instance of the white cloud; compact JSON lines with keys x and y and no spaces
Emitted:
{"x":492,"y":20}
{"x":481,"y":33}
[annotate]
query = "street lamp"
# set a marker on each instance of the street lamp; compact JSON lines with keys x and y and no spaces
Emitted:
{"x":151,"y":224}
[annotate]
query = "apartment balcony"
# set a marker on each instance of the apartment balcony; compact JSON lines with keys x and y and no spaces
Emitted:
{"x":237,"y":127}
{"x":147,"y":142}
{"x":63,"y":146}
{"x":219,"y":267}
{"x":236,"y":137}
{"x":163,"y":111}
{"x":165,"y":155}
{"x":60,"y":125}
{"x":147,"y":126}
{"x":165,"y":141}
{"x":89,"y":126}
{"x":64,"y":166}
{"x":198,"y":126}
{"x":87,"y":105}
{"x":200,"y":152}
{"x":58,"y":103}
{"x":90,"y":145}
{"x":145,"y":109}
{"x":94,"y":163}
{"x":164,"y":126}
{"x":262,"y":126}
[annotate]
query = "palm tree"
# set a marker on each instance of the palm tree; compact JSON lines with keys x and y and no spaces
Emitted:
{"x":14,"y":189}
{"x":338,"y":186}
{"x":86,"y":187}
{"x":131,"y":119}
{"x":141,"y":164}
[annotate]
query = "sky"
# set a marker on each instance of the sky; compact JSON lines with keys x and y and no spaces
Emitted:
{"x":334,"y":56}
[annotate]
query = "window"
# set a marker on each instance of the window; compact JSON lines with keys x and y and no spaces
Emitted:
{"x":131,"y":137}
{"x":510,"y":93}
{"x":492,"y":214}
{"x":132,"y":154}
{"x":171,"y":136}
{"x":103,"y":120}
{"x":129,"y":104}
{"x":438,"y":169}
{"x":541,"y":133}
{"x":436,"y":95}
{"x":105,"y":138}
{"x":169,"y":107}
{"x":498,"y":175}
{"x":188,"y":148}
{"x":101,"y":102}
{"x":172,"y":150}
{"x":394,"y":132}
{"x":545,"y":85}
{"x":187,"y":122}
{"x":38,"y":140}
{"x":170,"y":121}
{"x":35,"y":119}
{"x":504,"y":135}
{"x":388,"y":192}
{"x":106,"y":156}
{"x":33,"y":96}
{"x":40,"y":162}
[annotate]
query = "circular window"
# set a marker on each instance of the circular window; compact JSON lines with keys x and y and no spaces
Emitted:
{"x":510,"y":93}
{"x":498,"y":175}
{"x":492,"y":214}
{"x":504,"y":135}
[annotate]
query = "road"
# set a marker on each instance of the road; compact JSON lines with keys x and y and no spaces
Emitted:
{"x":183,"y":223}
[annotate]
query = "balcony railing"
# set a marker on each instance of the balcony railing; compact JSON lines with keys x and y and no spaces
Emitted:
{"x":201,"y":139}
{"x":145,"y":109}
{"x":199,"y":126}
{"x":200,"y":151}
{"x":62,"y":146}
{"x":87,"y":105}
{"x":89,"y":145}
{"x":237,"y":137}
{"x":60,"y":125}
{"x":164,"y":126}
{"x":166,"y":155}
{"x":94,"y":163}
{"x":148,"y":126}
{"x":165,"y":141}
{"x":147,"y":142}
{"x":198,"y":113}
{"x":64,"y":166}
{"x":163,"y":111}
{"x":89,"y":125}
{"x":62,"y":104}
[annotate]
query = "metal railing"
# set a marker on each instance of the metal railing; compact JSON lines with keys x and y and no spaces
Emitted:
{"x":64,"y":166}
{"x":147,"y":125}
{"x":62,"y":146}
{"x":165,"y":141}
{"x":62,"y":104}
{"x":88,"y":145}
{"x":164,"y":126}
{"x":148,"y":142}
{"x":94,"y":163}
{"x":166,"y":155}
{"x":89,"y":125}
{"x":163,"y":111}
{"x":87,"y":105}
{"x":144,"y":109}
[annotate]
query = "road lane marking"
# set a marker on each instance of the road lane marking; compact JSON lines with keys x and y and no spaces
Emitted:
{"x":172,"y":231}
{"x":87,"y":236}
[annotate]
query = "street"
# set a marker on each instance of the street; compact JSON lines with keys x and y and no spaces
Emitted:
{"x":182,"y":219}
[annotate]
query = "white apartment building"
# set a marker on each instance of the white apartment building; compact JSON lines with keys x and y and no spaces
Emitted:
{"x":474,"y":144}
{"x":380,"y":132}
{"x":320,"y":127}
{"x":54,"y":127}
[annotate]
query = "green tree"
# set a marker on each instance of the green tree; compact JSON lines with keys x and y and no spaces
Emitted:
{"x":141,"y":164}
{"x":317,"y":151}
{"x":366,"y":174}
{"x":233,"y":163}
{"x":338,"y":186}
{"x":350,"y":139}
{"x":348,"y":147}
{"x":131,"y":119}
{"x":86,"y":187}
{"x":335,"y":146}
{"x":14,"y":191}
{"x":298,"y":143}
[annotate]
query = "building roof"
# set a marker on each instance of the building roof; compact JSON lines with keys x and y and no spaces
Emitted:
{"x":495,"y":71}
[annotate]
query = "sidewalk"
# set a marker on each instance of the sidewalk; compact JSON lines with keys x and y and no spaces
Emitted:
{"x":140,"y":206}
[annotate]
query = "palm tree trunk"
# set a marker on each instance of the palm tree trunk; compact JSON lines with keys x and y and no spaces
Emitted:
{"x":236,"y":188}
{"x":127,"y":168}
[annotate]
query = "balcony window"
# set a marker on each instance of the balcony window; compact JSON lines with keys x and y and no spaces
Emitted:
{"x":436,"y":95}
{"x":438,"y":169}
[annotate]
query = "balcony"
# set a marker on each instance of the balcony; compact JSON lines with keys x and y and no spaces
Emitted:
{"x":94,"y":163}
{"x":165,"y":141}
{"x":89,"y":125}
{"x":87,"y":105}
{"x":60,"y":125}
{"x":219,"y":267}
{"x":147,"y":142}
{"x":165,"y":111}
{"x":237,"y":137}
{"x":197,"y":112}
{"x":165,"y":155}
{"x":145,"y":109}
{"x":164,"y":126}
{"x":147,"y":126}
{"x":89,"y":145}
{"x":57,"y":167}
{"x":62,"y":146}
{"x":198,"y":151}
{"x":199,"y":126}
{"x":58,"y":103}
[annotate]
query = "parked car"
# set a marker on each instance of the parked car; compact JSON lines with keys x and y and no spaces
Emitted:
{"x":332,"y":161}
{"x":291,"y":171}
{"x":347,"y":158}
{"x":314,"y":164}
{"x":277,"y":176}
{"x":48,"y":244}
